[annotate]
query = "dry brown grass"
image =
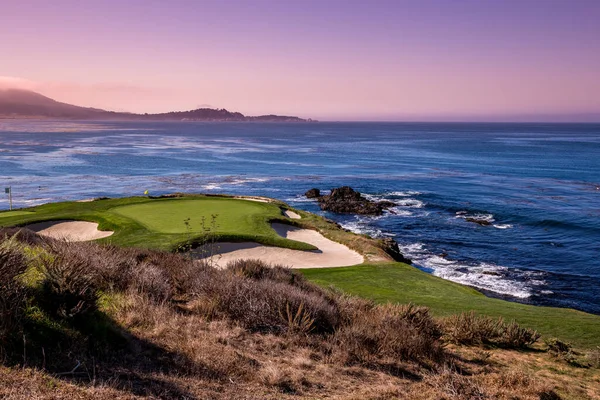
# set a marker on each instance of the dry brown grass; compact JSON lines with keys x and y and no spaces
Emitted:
{"x":163,"y":326}
{"x":12,"y":291}
{"x":470,"y":328}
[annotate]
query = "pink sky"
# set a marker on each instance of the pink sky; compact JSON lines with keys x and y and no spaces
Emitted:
{"x":350,"y":60}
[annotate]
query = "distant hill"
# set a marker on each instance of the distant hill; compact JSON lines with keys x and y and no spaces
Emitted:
{"x":18,"y":103}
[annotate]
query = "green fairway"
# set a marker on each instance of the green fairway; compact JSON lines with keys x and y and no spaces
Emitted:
{"x":404,"y":284}
{"x":167,"y":223}
{"x":6,"y":214}
{"x":172,"y":223}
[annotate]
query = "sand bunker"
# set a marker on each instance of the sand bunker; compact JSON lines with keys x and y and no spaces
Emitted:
{"x":291,"y":214}
{"x":254,"y":198}
{"x":71,"y":231}
{"x":329,"y":253}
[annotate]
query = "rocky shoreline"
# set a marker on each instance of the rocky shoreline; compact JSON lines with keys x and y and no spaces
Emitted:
{"x":345,"y":200}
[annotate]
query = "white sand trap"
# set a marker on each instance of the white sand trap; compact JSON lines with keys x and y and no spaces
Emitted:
{"x":71,"y":231}
{"x":254,"y":198}
{"x":292,"y":215}
{"x":329,"y":253}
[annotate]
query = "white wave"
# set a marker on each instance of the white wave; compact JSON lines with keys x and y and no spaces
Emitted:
{"x":407,"y":193}
{"x":211,"y":186}
{"x":400,"y":212}
{"x":241,"y":181}
{"x":484,"y":276}
{"x":371,"y":197}
{"x":412,"y":247}
{"x":412,"y":203}
{"x":299,"y":199}
{"x":502,"y":226}
{"x":361,"y":228}
{"x":477,"y":216}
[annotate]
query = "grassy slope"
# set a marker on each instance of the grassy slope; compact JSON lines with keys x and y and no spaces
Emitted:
{"x":159,"y":223}
{"x":402,"y":283}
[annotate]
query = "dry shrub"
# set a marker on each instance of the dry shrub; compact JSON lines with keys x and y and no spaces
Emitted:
{"x":456,"y":386}
{"x":515,"y":336}
{"x":266,"y":306}
{"x":470,"y":329}
{"x":68,"y":289}
{"x":285,"y":380}
{"x":593,"y":357}
{"x":258,"y":270}
{"x":389,"y":333}
{"x":557,"y":346}
{"x":449,"y":383}
{"x":159,"y":275}
{"x":23,"y":235}
{"x":12,"y":291}
{"x":202,"y":346}
{"x":563,"y":351}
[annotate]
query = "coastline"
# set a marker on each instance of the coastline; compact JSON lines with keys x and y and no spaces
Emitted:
{"x":400,"y":282}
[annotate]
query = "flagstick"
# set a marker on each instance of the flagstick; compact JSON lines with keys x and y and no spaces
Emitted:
{"x":10,"y":196}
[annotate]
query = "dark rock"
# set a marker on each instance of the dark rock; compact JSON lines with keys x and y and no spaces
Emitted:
{"x":313,"y":193}
{"x":492,"y":273}
{"x":482,"y":222}
{"x":387,"y":204}
{"x":345,"y":200}
{"x":390,"y":246}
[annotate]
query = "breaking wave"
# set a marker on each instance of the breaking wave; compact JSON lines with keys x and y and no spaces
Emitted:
{"x":484,"y":276}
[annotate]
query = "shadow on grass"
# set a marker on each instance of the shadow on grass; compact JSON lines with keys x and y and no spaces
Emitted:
{"x":96,"y":351}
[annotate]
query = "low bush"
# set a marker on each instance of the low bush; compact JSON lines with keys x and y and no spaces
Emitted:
{"x":258,"y":270}
{"x":470,"y":329}
{"x":267,"y":306}
{"x":388,"y":332}
{"x":68,"y":289}
{"x":593,"y":358}
{"x":12,"y":291}
{"x":515,"y":336}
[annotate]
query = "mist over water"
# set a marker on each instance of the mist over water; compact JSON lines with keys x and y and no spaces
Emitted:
{"x":538,"y":186}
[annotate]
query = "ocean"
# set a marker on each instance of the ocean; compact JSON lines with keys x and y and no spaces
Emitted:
{"x":538,"y":185}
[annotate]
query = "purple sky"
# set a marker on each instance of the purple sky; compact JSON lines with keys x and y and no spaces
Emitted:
{"x":350,"y":60}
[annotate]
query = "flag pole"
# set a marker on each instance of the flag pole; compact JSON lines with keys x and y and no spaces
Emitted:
{"x":10,"y":196}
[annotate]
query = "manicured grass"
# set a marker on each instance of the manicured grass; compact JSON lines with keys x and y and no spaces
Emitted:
{"x":230,"y":216}
{"x":167,"y":223}
{"x":396,"y":282}
{"x":14,"y":213}
{"x":161,"y":224}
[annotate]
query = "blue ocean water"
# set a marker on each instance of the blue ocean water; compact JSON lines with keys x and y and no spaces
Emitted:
{"x":538,"y":185}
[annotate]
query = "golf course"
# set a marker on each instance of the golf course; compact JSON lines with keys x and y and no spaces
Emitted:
{"x":182,"y":223}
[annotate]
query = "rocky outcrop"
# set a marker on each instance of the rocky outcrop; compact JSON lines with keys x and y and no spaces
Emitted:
{"x":390,"y":246}
{"x":313,"y":193}
{"x":480,"y":221}
{"x":345,"y":200}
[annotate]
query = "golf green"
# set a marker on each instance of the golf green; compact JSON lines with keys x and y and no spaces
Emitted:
{"x":198,"y":216}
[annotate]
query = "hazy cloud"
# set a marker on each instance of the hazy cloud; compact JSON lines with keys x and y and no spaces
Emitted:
{"x":116,"y":96}
{"x":11,"y":82}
